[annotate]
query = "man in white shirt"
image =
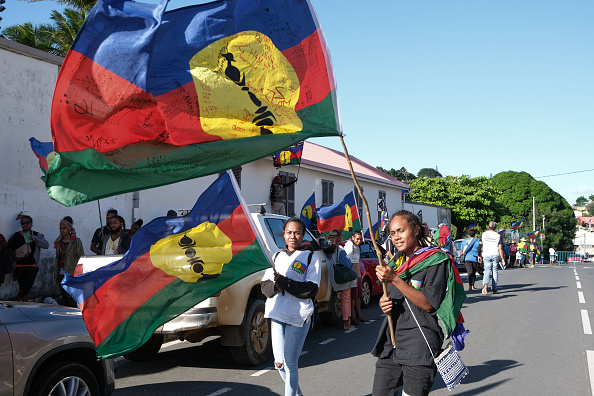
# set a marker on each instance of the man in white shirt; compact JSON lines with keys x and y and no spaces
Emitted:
{"x":552,"y":255}
{"x":490,"y":252}
{"x":352,"y":249}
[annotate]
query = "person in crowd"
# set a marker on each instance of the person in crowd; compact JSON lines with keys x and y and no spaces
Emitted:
{"x":388,"y":245}
{"x":277,"y":194}
{"x":135,"y":227}
{"x":521,"y":253}
{"x":26,"y":246}
{"x":513,"y":249}
{"x":552,"y":253}
{"x":470,"y":251}
{"x":100,"y":233}
{"x":490,"y":252}
{"x":409,"y":363}
{"x":69,"y":250}
{"x":117,"y":241}
{"x":353,"y":250}
{"x":171,"y":213}
{"x":505,"y":254}
{"x":532,"y":249}
{"x":336,"y":254}
{"x":289,"y":287}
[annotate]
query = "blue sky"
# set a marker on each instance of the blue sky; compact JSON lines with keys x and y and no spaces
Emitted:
{"x":470,"y":87}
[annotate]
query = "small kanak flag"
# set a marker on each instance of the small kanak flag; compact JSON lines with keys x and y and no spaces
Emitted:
{"x":290,"y":156}
{"x":517,"y":225}
{"x":172,"y":265}
{"x":534,"y":234}
{"x":376,"y":232}
{"x":342,"y":216}
{"x":147,"y":97}
{"x":308,"y":212}
{"x":470,"y":227}
{"x":44,"y":151}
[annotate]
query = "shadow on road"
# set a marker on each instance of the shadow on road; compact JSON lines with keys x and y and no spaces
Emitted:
{"x":478,"y":373}
{"x":181,"y":388}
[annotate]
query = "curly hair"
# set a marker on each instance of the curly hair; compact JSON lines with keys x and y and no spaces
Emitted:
{"x":413,"y":222}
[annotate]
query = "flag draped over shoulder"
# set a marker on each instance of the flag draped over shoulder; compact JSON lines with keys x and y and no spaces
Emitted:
{"x":342,"y":216}
{"x":146,"y":97}
{"x":44,"y":151}
{"x":172,"y":265}
{"x":517,"y":224}
{"x":290,"y":156}
{"x":308,"y":212}
{"x":449,"y":310}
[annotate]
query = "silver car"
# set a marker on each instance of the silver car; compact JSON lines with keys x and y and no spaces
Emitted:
{"x":46,"y":350}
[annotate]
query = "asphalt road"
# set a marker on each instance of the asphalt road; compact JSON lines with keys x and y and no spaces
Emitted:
{"x":533,"y":338}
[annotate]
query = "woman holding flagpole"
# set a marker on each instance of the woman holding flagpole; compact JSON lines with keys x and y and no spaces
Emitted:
{"x":419,"y":292}
{"x":289,"y":286}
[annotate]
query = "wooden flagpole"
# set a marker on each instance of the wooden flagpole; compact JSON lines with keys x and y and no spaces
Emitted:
{"x":377,"y":250}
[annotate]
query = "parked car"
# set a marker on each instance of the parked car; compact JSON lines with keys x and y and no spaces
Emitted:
{"x":575,"y":258}
{"x":236,"y":314}
{"x":367,"y":263}
{"x":46,"y":350}
{"x":456,"y":253}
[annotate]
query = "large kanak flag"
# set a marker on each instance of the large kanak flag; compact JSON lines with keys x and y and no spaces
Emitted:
{"x":147,"y":97}
{"x":173,"y":264}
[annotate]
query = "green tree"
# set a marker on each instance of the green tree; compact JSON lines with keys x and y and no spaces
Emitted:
{"x":402,"y":174}
{"x":517,"y":190}
{"x":36,"y":36}
{"x":56,"y":38}
{"x":472,"y":200}
{"x":590,"y":208}
{"x":429,"y":173}
{"x":580,"y":201}
{"x":2,"y":8}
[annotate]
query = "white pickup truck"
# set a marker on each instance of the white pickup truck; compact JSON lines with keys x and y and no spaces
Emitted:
{"x":237,"y":312}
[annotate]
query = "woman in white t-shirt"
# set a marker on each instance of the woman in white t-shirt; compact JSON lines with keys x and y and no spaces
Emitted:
{"x":289,"y":287}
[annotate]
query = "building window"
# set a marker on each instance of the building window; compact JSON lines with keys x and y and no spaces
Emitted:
{"x":359,"y":202}
{"x":289,"y":192}
{"x":327,"y":192}
{"x":381,"y":204}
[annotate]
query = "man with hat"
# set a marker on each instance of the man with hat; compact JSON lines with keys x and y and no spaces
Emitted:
{"x":490,"y":251}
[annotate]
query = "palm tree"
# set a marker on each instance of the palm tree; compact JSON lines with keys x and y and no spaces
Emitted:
{"x":38,"y":36}
{"x":56,"y":38}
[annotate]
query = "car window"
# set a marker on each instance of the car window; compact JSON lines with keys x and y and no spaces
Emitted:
{"x":367,"y":251}
{"x":275,"y":227}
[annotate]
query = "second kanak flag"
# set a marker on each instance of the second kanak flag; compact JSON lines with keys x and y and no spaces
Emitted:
{"x":172,"y":265}
{"x":147,"y":97}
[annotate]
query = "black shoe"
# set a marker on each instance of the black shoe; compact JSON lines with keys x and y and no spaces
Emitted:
{"x":494,"y":291}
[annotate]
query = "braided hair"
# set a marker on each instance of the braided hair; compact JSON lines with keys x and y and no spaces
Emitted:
{"x":413,"y":222}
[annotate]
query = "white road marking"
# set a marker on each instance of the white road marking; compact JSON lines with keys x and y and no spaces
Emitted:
{"x":259,"y":373}
{"x":329,"y":340}
{"x":350,"y":330}
{"x":579,"y":285}
{"x":577,"y":278}
{"x":590,"y":358}
{"x":581,"y":297}
{"x":220,"y":392}
{"x":586,"y":322}
{"x":370,"y":321}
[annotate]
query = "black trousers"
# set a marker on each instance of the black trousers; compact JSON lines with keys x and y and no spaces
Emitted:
{"x":390,"y":376}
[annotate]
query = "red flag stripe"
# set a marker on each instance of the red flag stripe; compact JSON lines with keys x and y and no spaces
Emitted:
{"x":131,"y":285}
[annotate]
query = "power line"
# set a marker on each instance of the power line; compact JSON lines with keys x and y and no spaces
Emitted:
{"x":561,"y":174}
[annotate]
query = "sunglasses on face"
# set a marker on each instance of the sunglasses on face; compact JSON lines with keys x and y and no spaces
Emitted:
{"x":25,"y":222}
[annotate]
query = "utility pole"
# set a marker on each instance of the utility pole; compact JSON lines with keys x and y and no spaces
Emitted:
{"x":533,"y":215}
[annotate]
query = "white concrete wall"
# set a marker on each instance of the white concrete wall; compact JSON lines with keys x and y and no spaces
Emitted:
{"x":26,"y":89}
